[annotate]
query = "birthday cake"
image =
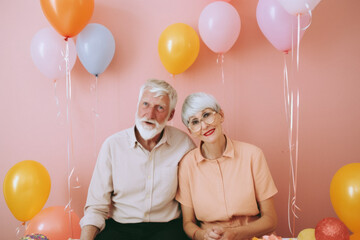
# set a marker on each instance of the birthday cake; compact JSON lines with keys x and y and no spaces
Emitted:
{"x":268,"y":237}
{"x":34,"y":237}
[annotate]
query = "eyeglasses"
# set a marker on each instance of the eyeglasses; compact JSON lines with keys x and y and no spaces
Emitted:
{"x":207,"y":116}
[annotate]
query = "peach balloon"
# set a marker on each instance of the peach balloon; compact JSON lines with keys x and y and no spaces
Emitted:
{"x":55,"y":223}
{"x":68,"y":17}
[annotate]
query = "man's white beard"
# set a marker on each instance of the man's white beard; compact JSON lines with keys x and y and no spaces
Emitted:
{"x":148,"y":132}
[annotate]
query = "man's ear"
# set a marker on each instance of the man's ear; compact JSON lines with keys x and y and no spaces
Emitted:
{"x":171,"y":115}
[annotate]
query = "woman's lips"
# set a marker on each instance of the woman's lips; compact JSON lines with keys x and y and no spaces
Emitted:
{"x":208,"y":133}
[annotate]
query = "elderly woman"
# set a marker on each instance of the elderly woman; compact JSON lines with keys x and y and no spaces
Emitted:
{"x":225,"y":186}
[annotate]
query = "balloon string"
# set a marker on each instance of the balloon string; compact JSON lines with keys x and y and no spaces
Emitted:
{"x":57,"y":100}
{"x":69,"y":125}
{"x":286,"y":89}
{"x":221,"y":56}
{"x":95,"y":112}
{"x":19,"y":230}
{"x":298,"y":42}
{"x":310,"y":14}
{"x":293,"y":135}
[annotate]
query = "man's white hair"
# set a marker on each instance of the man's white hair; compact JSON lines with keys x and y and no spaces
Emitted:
{"x":161,"y":88}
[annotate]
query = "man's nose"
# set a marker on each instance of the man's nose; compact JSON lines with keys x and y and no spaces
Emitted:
{"x":151,"y":113}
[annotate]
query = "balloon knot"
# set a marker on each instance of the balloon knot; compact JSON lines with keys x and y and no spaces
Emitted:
{"x":96,"y":75}
{"x":286,"y":52}
{"x":23,"y":223}
{"x":66,"y":38}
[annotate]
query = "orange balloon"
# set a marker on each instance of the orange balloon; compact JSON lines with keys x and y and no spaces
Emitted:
{"x":345,"y":195}
{"x":68,"y":17}
{"x":355,"y":236}
{"x":26,"y":189}
{"x":178,"y":47}
{"x":54,"y":223}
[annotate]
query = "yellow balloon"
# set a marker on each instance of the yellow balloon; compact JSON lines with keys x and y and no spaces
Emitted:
{"x":178,"y":47}
{"x":345,"y":195}
{"x":307,"y":234}
{"x":26,"y":189}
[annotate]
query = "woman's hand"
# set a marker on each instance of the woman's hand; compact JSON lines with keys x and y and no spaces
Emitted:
{"x":214,"y":233}
{"x":229,"y":235}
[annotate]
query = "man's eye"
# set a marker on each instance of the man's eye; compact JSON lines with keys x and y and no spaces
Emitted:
{"x":145,"y":104}
{"x":160,"y":108}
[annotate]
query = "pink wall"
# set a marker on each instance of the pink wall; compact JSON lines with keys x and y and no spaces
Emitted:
{"x":252,"y":96}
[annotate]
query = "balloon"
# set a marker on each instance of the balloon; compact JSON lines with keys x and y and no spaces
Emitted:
{"x":96,"y":47}
{"x":278,"y":26}
{"x":54,"y":222}
{"x":178,"y":47}
{"x":26,"y":189}
{"x":345,"y":195}
{"x":331,"y":229}
{"x":355,"y":236}
{"x":307,"y":234}
{"x":68,"y":17}
{"x":298,"y":6}
{"x":219,"y":26}
{"x":48,"y":51}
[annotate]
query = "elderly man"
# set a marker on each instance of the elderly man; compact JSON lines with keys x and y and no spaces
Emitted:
{"x":132,"y":190}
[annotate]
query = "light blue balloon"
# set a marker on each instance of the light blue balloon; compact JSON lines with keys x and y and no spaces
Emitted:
{"x":95,"y":46}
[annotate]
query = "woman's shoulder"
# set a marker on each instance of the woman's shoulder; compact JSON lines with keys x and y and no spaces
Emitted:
{"x":190,"y":157}
{"x":239,"y":145}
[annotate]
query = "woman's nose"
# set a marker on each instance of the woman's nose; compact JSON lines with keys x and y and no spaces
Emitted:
{"x":203,"y":124}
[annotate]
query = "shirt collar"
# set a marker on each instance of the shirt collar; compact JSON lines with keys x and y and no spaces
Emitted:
{"x":228,"y":153}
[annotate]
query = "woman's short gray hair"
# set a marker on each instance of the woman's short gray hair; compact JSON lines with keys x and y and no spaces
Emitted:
{"x":197,"y":102}
{"x":160,"y":87}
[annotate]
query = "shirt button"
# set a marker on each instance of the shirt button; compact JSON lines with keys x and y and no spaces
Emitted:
{"x":149,"y":177}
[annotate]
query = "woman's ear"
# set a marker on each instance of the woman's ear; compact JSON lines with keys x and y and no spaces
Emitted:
{"x":221,"y":112}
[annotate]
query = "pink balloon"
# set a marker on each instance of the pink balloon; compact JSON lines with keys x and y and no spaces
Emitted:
{"x":298,"y":6}
{"x":279,"y":26}
{"x":219,"y":26}
{"x":48,"y":51}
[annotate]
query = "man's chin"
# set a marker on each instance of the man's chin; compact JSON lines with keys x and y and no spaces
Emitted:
{"x":147,"y":133}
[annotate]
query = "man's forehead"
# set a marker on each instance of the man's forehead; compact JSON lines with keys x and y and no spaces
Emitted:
{"x":154,"y":96}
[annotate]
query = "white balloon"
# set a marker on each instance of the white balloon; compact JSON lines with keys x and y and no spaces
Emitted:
{"x":96,"y":47}
{"x":299,"y":6}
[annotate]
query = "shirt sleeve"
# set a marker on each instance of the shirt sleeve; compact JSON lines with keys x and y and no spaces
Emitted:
{"x":264,"y":183}
{"x":100,"y":190}
{"x":183,"y":194}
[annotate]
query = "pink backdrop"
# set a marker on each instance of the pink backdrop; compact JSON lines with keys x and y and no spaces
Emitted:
{"x":251,"y":96}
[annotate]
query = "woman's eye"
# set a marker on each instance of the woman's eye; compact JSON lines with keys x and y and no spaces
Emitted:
{"x":145,"y":104}
{"x":206,"y":114}
{"x":194,"y":122}
{"x":160,"y":108}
